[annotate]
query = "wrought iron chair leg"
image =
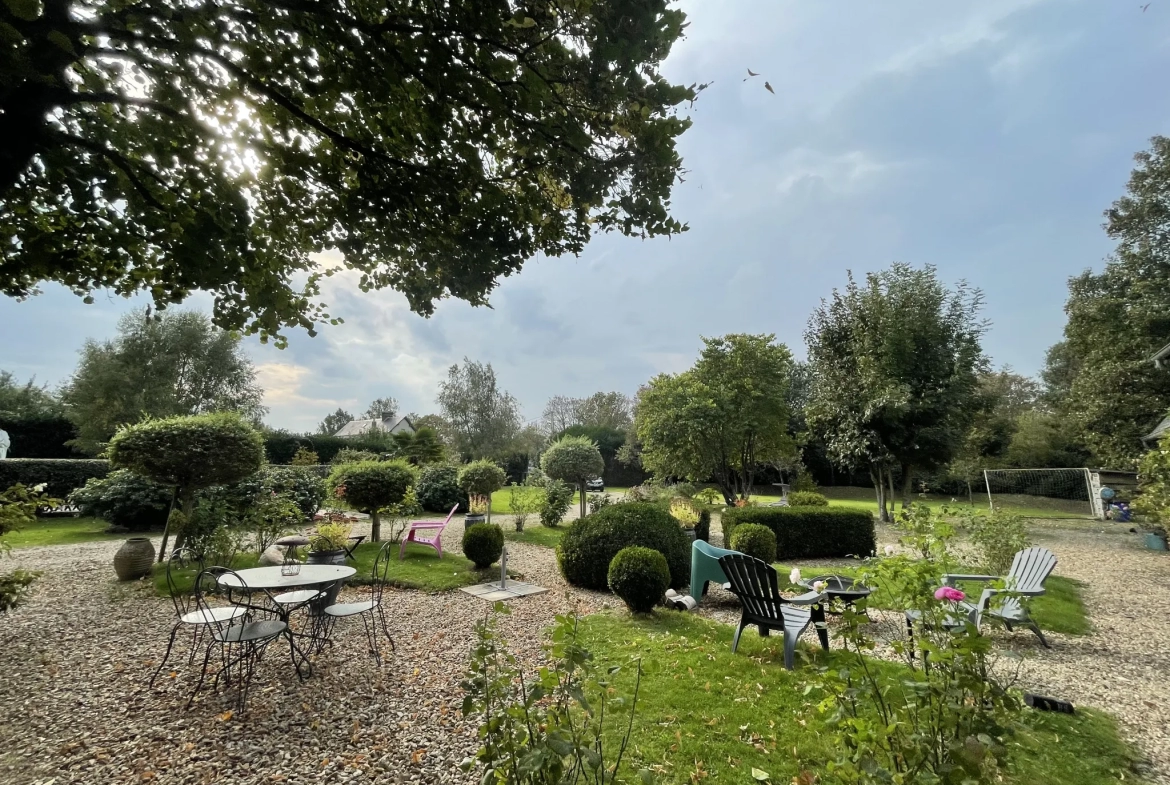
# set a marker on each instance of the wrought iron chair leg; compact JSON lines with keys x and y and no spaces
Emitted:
{"x":385,"y":626}
{"x":371,"y":637}
{"x":170,"y":645}
{"x":202,"y":677}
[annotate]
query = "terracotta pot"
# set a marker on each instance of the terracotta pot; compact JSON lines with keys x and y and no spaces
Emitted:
{"x":134,"y":559}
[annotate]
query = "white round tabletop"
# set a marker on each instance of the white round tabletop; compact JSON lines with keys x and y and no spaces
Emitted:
{"x":271,"y":577}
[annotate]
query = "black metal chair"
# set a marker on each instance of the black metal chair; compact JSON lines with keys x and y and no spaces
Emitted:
{"x":188,"y":615}
{"x":371,"y":611}
{"x":241,"y":646}
{"x":755,"y":583}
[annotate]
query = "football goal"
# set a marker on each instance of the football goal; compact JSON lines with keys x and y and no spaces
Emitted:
{"x":1045,"y":493}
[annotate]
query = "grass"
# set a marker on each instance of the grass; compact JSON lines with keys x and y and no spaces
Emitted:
{"x":421,"y":570}
{"x":537,"y":535}
{"x":502,"y":499}
{"x":62,"y":531}
{"x":707,"y":715}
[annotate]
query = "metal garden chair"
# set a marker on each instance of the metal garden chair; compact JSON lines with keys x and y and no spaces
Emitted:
{"x":371,"y":611}
{"x":755,"y":583}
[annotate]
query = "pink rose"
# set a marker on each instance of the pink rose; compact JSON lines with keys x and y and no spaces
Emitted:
{"x":949,"y":593}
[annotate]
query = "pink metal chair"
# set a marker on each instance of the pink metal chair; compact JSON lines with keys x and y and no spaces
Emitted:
{"x":430,"y":540}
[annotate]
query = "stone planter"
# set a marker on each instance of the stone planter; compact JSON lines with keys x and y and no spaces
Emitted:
{"x":134,"y":559}
{"x":472,"y":519}
{"x":327,"y":557}
{"x":1155,"y":542}
{"x":691,"y":534}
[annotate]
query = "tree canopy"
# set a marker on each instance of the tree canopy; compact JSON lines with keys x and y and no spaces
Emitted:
{"x":170,"y":147}
{"x":334,"y":422}
{"x":172,"y":363}
{"x":612,"y":410}
{"x":381,"y":407}
{"x":481,"y":419}
{"x":721,"y":419}
{"x":28,"y":399}
{"x":371,"y":486}
{"x":895,"y":365}
{"x":575,"y":460}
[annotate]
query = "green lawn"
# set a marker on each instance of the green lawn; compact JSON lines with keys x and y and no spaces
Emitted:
{"x":863,"y":499}
{"x":502,"y":499}
{"x":536,"y":534}
{"x":62,"y":531}
{"x":1061,"y":609}
{"x":707,"y":715}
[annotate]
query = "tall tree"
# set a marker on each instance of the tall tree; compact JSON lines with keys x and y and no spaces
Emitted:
{"x":26,"y":400}
{"x":381,"y":407}
{"x":482,"y":419}
{"x":559,"y":413}
{"x":1117,"y":319}
{"x":334,"y":422}
{"x":169,"y":147}
{"x":723,"y":418}
{"x":172,"y":363}
{"x":895,"y":364}
{"x":606,"y":410}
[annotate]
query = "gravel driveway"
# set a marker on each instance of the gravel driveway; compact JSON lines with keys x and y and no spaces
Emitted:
{"x":76,"y":659}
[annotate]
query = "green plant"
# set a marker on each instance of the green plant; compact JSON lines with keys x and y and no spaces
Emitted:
{"x":1153,"y":501}
{"x":755,"y":540}
{"x":598,"y":501}
{"x":123,"y":498}
{"x":348,"y":455}
{"x":558,"y":497}
{"x":481,"y":478}
{"x":397,"y":516}
{"x":709,"y":497}
{"x":18,"y":508}
{"x":551,"y":729}
{"x":523,"y":503}
{"x":684,"y":512}
{"x":575,"y":460}
{"x":703,"y":527}
{"x":809,"y":532}
{"x":304,"y":457}
{"x":329,"y":537}
{"x":925,"y":531}
{"x":999,"y":536}
{"x":14,"y":586}
{"x":189,"y":453}
{"x":478,"y":505}
{"x":211,"y":531}
{"x":805,"y":483}
{"x":640,"y":576}
{"x":483,"y":543}
{"x":807,"y":499}
{"x":438,"y":488}
{"x":371,"y":486}
{"x":60,"y":476}
{"x":591,"y":543}
{"x":271,"y":518}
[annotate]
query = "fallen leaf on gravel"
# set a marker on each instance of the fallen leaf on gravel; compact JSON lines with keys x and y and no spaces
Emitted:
{"x":418,"y":755}
{"x":147,"y":775}
{"x":227,"y":715}
{"x":188,"y":746}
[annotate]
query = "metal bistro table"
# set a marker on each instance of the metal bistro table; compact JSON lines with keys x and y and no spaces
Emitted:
{"x":839,"y":587}
{"x":272,"y":581}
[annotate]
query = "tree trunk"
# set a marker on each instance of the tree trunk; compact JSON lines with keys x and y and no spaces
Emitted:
{"x":906,"y":485}
{"x":970,"y":496}
{"x":880,"y":490}
{"x":167,"y":525}
{"x":892,"y":497}
{"x":376,"y":525}
{"x":582,"y":501}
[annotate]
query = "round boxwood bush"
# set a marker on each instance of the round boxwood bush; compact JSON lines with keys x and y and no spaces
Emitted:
{"x":807,"y":499}
{"x":483,"y":543}
{"x":591,"y":543}
{"x":755,"y":540}
{"x":640,"y":576}
{"x":438,"y":489}
{"x":122,"y":498}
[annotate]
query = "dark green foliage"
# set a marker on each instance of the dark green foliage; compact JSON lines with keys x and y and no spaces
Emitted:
{"x":62,"y":476}
{"x":125,"y":499}
{"x":755,"y":540}
{"x":558,"y":496}
{"x":39,"y":435}
{"x":483,"y":543}
{"x":575,"y":460}
{"x":591,"y":543}
{"x":609,"y":441}
{"x":640,"y":576}
{"x":703,"y":527}
{"x":14,"y":586}
{"x":809,"y":532}
{"x":438,"y":488}
{"x":807,"y":499}
{"x":370,"y":486}
{"x":281,"y":446}
{"x":481,"y":478}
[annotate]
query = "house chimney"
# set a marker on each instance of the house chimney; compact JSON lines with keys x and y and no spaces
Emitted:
{"x":387,"y":418}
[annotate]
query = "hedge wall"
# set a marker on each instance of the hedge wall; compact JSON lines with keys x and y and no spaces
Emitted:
{"x":809,"y":532}
{"x":281,"y":446}
{"x":61,"y":475}
{"x":39,"y":436}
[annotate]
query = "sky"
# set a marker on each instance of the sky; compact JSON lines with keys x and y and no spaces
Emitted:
{"x":983,"y":138}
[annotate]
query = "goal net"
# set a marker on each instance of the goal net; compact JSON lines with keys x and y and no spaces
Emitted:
{"x":1044,"y":493}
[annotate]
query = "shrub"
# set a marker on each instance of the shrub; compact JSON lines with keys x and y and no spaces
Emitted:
{"x":575,"y":460}
{"x":591,"y":543}
{"x":558,"y":497}
{"x":998,"y":536}
{"x":329,"y":537}
{"x":346,"y":455}
{"x":14,"y":585}
{"x":805,"y":482}
{"x":212,"y":532}
{"x":61,"y":476}
{"x":755,"y":540}
{"x":18,"y":508}
{"x":640,"y":576}
{"x":1153,"y":500}
{"x":807,"y":499}
{"x":703,"y":527}
{"x":304,"y":457}
{"x":438,"y":489}
{"x":299,"y":484}
{"x":483,"y":543}
{"x":370,"y":486}
{"x":599,"y":501}
{"x":481,"y":478}
{"x":122,"y":498}
{"x":809,"y":532}
{"x":523,"y":502}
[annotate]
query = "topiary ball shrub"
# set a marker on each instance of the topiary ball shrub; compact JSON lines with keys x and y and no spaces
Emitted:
{"x":640,"y":576}
{"x":807,"y":499}
{"x":755,"y":540}
{"x":591,"y":543}
{"x":438,"y":489}
{"x":483,"y":543}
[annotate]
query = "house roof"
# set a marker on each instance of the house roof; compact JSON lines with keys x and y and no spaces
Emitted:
{"x":361,"y":427}
{"x":1160,"y":430}
{"x":1160,"y":355}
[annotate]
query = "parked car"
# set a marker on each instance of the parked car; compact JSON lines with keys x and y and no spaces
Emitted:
{"x":596,"y":485}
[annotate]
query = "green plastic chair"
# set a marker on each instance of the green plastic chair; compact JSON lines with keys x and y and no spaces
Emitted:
{"x":705,"y":567}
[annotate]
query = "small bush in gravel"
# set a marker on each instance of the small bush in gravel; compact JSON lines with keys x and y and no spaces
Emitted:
{"x":807,"y":499}
{"x":640,"y":576}
{"x":483,"y":543}
{"x":755,"y":540}
{"x":438,"y":489}
{"x":591,"y":543}
{"x":558,"y":497}
{"x":14,"y":585}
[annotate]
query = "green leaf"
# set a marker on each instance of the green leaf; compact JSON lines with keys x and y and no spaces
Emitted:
{"x":761,"y":775}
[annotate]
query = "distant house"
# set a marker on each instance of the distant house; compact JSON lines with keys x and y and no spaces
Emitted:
{"x":384,"y":424}
{"x":1162,"y":428}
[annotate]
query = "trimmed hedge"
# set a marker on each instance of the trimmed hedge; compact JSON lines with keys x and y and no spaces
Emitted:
{"x":438,"y":488}
{"x":640,"y":577}
{"x":807,"y":499}
{"x":755,"y":540}
{"x":61,"y":475}
{"x":591,"y":543}
{"x":281,"y":446}
{"x":809,"y":532}
{"x":483,"y":543}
